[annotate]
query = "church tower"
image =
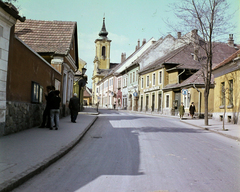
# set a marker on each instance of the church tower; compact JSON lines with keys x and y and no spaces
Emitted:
{"x":102,"y":54}
{"x":101,"y":60}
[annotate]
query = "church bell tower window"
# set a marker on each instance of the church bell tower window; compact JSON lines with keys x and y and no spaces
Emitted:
{"x":104,"y":52}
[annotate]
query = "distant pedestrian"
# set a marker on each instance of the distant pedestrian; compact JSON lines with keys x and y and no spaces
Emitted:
{"x":192,"y":109}
{"x":55,"y":109}
{"x":46,"y":114}
{"x":74,"y":105}
{"x":181,"y":110}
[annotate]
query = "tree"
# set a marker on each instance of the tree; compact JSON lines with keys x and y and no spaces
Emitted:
{"x":210,"y":19}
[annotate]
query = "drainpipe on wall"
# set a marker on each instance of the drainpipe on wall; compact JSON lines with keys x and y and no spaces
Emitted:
{"x":163,"y":81}
{"x":199,"y":100}
{"x":180,"y":74}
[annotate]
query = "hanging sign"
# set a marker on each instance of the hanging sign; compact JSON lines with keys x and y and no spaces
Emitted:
{"x":184,"y":91}
{"x":135,"y":94}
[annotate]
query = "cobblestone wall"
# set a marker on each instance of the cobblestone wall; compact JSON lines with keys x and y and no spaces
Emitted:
{"x":21,"y":116}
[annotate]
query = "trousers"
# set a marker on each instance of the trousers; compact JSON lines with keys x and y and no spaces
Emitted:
{"x":54,"y":113}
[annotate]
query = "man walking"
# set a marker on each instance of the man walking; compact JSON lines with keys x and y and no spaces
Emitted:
{"x":181,"y":111}
{"x":192,"y":109}
{"x":74,"y":105}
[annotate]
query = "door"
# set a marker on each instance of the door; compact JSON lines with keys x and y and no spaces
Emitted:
{"x":153,"y":102}
{"x":177,"y":102}
{"x":146,"y":102}
{"x":159,"y":102}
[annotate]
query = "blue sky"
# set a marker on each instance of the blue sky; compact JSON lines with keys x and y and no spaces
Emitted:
{"x":126,"y":22}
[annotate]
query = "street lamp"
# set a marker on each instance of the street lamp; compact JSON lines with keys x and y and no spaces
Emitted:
{"x":81,"y":83}
{"x":83,"y":71}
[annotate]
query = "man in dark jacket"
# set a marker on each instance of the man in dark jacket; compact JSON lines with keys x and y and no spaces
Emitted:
{"x":74,"y":107}
{"x":192,"y":109}
{"x":55,"y":109}
{"x":46,"y":114}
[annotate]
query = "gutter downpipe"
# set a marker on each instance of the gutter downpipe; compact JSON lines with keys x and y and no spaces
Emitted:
{"x":181,"y":74}
{"x":163,"y":84}
{"x":199,"y":101}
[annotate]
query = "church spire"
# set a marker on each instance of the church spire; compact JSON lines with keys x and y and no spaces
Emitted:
{"x":103,"y":32}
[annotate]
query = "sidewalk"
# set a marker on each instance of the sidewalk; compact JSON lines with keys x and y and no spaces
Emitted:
{"x":28,"y":152}
{"x":233,"y":130}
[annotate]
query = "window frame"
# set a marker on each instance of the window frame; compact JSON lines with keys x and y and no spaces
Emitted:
{"x":36,"y":92}
{"x":222,"y":93}
{"x":104,"y":51}
{"x":154,"y":79}
{"x":147,"y":81}
{"x":230,"y":101}
{"x":142,"y":82}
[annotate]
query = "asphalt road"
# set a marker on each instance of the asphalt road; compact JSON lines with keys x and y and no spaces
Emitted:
{"x":125,"y":152}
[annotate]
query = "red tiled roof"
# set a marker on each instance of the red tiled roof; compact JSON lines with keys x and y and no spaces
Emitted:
{"x":46,"y":36}
{"x":229,"y":59}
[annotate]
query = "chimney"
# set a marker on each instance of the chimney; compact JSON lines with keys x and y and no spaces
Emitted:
{"x":179,"y":34}
{"x":230,"y":40}
{"x":196,"y":48}
{"x":194,"y":33}
{"x":144,"y":41}
{"x":138,"y":44}
{"x":123,"y":57}
{"x":195,"y":41}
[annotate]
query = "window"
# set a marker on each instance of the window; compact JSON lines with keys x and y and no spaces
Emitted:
{"x":154,"y":78}
{"x":230,"y":92}
{"x":160,"y":77}
{"x":97,"y":90}
{"x":130,"y":78}
{"x":133,"y":76}
{"x":187,"y":100}
{"x":110,"y":82}
{"x":142,"y":81}
{"x":106,"y":84}
{"x":167,"y":101}
{"x":37,"y":91}
{"x":119,"y":83}
{"x":147,"y":81}
{"x":1,"y":31}
{"x":222,"y":93}
{"x":104,"y":51}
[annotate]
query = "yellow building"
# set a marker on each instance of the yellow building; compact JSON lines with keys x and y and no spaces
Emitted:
{"x":182,"y":78}
{"x":150,"y":88}
{"x":227,"y":91}
{"x":101,"y":60}
{"x":188,"y":91}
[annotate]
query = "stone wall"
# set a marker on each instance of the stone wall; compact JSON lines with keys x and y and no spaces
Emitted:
{"x":21,"y":116}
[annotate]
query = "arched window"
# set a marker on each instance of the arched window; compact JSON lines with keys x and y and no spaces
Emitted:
{"x":104,"y":51}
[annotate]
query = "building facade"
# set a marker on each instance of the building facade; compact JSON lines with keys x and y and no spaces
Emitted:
{"x":8,"y":17}
{"x":226,"y":91}
{"x":56,"y":42}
